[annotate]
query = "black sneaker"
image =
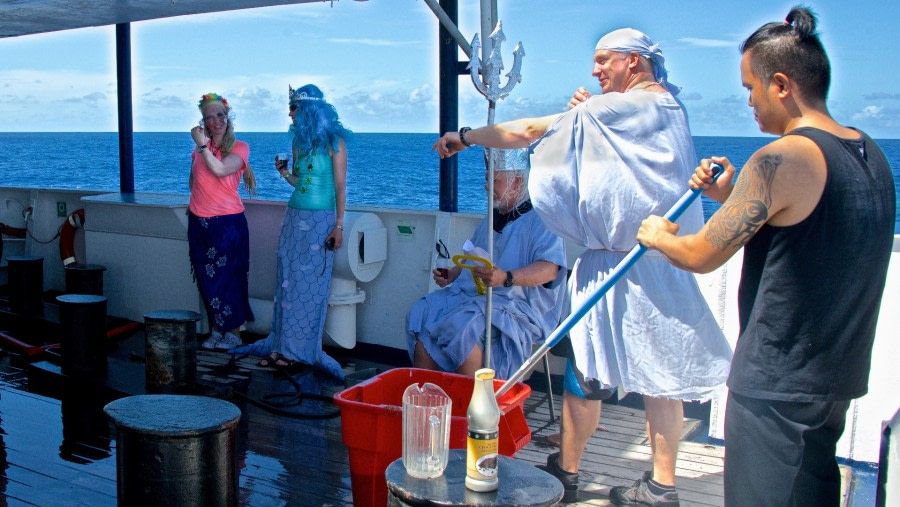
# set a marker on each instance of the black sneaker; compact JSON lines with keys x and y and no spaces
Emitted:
{"x":639,"y":494}
{"x":569,"y":480}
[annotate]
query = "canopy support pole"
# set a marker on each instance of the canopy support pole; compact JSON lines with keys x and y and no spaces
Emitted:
{"x":126,"y":120}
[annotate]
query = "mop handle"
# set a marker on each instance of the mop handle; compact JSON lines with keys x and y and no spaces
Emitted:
{"x":624,"y":265}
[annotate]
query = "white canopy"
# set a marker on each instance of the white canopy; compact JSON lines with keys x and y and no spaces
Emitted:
{"x":24,"y":17}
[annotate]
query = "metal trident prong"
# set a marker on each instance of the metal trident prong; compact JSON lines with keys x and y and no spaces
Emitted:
{"x":490,"y":86}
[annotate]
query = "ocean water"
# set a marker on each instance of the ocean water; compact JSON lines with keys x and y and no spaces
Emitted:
{"x":386,"y":170}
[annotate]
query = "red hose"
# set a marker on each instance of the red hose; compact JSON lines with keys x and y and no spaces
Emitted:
{"x":13,"y":232}
{"x":25,"y":348}
{"x":124,"y":328}
{"x":31,"y":351}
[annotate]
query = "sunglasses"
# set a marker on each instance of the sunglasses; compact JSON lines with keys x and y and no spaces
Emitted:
{"x":212,"y":117}
{"x":442,"y":251}
{"x":292,"y":107}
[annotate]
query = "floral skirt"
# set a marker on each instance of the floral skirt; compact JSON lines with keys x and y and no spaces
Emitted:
{"x":219,"y":249}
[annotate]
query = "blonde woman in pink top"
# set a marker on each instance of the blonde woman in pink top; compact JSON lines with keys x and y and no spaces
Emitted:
{"x":218,"y":237}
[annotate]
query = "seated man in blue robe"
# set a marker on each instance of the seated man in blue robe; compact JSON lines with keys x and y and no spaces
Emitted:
{"x":446,"y":329}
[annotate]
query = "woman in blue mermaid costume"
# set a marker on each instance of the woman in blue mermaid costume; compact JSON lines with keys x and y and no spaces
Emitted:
{"x":312,"y":229}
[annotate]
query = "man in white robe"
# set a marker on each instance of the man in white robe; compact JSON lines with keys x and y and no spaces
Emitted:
{"x":597,"y":171}
{"x":446,"y":329}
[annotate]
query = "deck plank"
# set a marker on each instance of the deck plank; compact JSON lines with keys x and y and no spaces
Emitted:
{"x":620,"y":453}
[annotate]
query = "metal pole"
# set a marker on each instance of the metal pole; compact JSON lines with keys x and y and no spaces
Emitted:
{"x":489,"y":304}
{"x":126,"y":123}
{"x":449,"y":24}
{"x":488,"y":17}
{"x":448,"y":108}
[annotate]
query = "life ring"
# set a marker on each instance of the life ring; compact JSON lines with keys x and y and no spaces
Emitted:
{"x":67,"y":236}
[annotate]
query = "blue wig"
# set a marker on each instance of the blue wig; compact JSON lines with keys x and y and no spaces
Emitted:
{"x":316,"y":123}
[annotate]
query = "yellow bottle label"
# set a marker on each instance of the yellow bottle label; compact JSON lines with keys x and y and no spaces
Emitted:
{"x":481,"y":455}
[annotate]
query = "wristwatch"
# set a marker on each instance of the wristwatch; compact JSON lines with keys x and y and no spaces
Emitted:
{"x":509,"y":279}
{"x":462,"y":136}
{"x":201,"y":148}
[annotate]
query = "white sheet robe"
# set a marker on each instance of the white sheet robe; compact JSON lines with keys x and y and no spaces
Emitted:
{"x":449,"y":322}
{"x":598,"y":171}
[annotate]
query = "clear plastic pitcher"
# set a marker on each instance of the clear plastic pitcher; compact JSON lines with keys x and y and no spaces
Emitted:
{"x":426,"y":430}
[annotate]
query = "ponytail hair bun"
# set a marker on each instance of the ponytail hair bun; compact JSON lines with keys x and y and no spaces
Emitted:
{"x":803,"y":22}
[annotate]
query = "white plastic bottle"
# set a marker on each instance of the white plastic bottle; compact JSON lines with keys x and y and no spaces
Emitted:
{"x":482,"y":449}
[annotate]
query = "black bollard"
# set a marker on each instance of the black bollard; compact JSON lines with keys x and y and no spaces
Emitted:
{"x":171,"y":351}
{"x":82,"y":318}
{"x":26,"y":285}
{"x":84,"y":279}
{"x":175,"y":450}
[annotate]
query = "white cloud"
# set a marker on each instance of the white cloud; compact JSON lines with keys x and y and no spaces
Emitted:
{"x":380,"y":110}
{"x":94,"y":98}
{"x":57,"y":100}
{"x":424,"y":93}
{"x":707,"y":43}
{"x":882,"y":96}
{"x":869,"y":113}
{"x":375,"y":42}
{"x":169,"y":68}
{"x":159,"y":101}
{"x":877,"y":117}
{"x":254,"y":97}
{"x":712,"y":118}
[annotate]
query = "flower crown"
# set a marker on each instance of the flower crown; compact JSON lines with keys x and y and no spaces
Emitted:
{"x":294,"y":96}
{"x":212,"y":96}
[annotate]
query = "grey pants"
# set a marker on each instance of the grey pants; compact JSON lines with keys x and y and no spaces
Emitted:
{"x":780,"y":453}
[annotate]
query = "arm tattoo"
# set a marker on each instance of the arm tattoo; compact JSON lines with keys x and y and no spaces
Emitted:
{"x":747,"y":209}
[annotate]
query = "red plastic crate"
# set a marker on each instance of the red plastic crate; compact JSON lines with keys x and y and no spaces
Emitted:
{"x":372,"y":426}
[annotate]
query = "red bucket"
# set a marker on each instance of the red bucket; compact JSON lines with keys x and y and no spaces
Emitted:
{"x":371,"y":423}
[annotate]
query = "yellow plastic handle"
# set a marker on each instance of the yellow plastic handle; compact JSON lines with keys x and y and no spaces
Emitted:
{"x":479,"y":283}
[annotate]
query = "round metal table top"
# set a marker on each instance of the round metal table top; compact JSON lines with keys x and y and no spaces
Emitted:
{"x":521,"y":483}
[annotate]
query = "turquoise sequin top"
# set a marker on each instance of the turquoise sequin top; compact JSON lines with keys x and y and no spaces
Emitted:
{"x":315,"y":182}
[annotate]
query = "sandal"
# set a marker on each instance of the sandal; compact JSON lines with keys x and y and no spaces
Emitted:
{"x":291,"y":366}
{"x":270,"y":361}
{"x":283,"y":362}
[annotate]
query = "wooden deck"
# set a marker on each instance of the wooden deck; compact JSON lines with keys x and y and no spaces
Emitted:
{"x":619,"y":452}
{"x":56,"y":446}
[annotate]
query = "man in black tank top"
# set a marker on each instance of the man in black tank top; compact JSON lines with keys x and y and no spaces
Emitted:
{"x":802,"y":207}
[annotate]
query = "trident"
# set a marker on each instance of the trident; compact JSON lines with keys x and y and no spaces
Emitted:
{"x":490,"y":87}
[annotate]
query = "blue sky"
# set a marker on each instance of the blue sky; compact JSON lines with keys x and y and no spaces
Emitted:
{"x":375,"y":62}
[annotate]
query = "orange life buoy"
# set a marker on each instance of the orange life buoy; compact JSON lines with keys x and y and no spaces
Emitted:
{"x":67,"y":236}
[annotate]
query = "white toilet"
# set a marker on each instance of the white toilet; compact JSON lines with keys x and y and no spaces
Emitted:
{"x":360,"y":258}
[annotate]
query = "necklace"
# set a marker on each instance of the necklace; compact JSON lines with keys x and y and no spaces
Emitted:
{"x":641,"y":86}
{"x":305,"y":181}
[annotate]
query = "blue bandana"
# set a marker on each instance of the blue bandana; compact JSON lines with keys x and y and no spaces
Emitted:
{"x":626,"y":40}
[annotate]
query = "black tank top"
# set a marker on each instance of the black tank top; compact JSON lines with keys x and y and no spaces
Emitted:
{"x":810,"y":292}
